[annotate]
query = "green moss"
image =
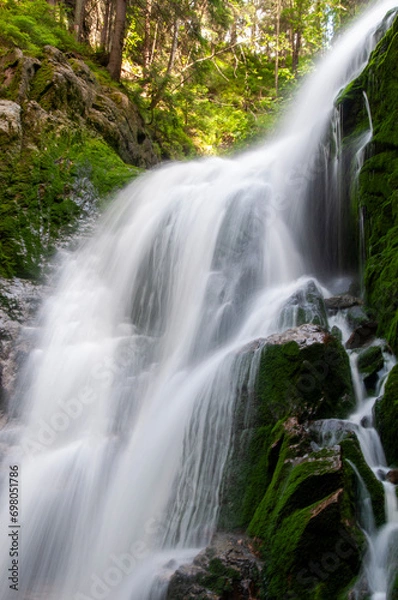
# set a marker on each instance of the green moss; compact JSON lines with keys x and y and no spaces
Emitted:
{"x":221,"y":578}
{"x":371,"y":360}
{"x":36,"y":197}
{"x":387,"y":417}
{"x":33,"y":25}
{"x":377,"y":196}
{"x":41,"y":83}
{"x":352,"y":452}
{"x":312,"y":382}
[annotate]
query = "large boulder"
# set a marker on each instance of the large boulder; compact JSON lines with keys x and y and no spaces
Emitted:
{"x":294,"y":489}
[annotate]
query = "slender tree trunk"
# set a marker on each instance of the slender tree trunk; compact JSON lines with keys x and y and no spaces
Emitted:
{"x":296,"y":51}
{"x":173,"y":47}
{"x":115,"y":58}
{"x":277,"y":36}
{"x":78,"y":20}
{"x":155,"y":41}
{"x":105,"y":29}
{"x":147,"y":35}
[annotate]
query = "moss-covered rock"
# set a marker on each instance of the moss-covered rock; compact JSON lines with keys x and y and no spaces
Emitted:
{"x":306,"y":520}
{"x":225,"y":570}
{"x":370,"y":362}
{"x":387,"y":417}
{"x":303,"y":373}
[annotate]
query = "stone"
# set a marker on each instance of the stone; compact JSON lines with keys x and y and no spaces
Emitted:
{"x":370,"y":362}
{"x":362,"y":335}
{"x":392,"y":476}
{"x":336,"y":303}
{"x":10,"y":128}
{"x":227,"y":569}
{"x":306,"y":305}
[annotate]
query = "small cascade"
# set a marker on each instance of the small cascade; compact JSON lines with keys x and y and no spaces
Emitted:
{"x":381,"y":562}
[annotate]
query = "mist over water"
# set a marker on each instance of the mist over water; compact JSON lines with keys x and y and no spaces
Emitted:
{"x":122,"y":425}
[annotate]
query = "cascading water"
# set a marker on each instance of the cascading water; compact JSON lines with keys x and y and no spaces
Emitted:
{"x":121,"y":428}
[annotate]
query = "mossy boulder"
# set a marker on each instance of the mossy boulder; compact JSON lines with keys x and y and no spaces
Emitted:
{"x":386,"y":411}
{"x":295,"y":494}
{"x":306,"y":520}
{"x":303,"y":373}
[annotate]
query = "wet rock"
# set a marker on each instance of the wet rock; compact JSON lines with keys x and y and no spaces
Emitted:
{"x":357,"y":316}
{"x":19,"y":303}
{"x":304,"y":374}
{"x":336,"y":303}
{"x":306,"y":517}
{"x":370,"y":362}
{"x":330,"y":432}
{"x":226,"y":570}
{"x":363,"y":335}
{"x":306,"y":305}
{"x":392,"y":476}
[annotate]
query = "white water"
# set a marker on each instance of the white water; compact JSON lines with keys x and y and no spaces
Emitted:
{"x":122,"y":431}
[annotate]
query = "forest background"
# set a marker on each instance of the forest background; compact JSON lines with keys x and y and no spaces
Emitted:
{"x":206,"y":75}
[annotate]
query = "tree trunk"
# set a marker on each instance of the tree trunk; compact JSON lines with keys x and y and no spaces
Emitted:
{"x":277,"y":36}
{"x":115,"y":58}
{"x":78,"y":20}
{"x":173,"y":48}
{"x":147,"y":35}
{"x":105,"y":33}
{"x":296,"y":51}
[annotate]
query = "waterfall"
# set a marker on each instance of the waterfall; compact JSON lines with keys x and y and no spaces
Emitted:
{"x":121,"y":427}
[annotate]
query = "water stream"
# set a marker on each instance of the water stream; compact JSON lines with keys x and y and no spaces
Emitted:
{"x":121,"y":426}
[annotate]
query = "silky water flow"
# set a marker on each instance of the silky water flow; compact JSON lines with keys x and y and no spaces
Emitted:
{"x":122,"y":421}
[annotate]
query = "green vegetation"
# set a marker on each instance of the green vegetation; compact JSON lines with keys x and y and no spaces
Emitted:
{"x":37,"y":200}
{"x":387,"y":417}
{"x":31,"y":25}
{"x":377,"y":196}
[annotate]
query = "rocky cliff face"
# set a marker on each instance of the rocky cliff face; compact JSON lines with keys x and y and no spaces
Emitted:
{"x":60,"y":92}
{"x":66,"y":139}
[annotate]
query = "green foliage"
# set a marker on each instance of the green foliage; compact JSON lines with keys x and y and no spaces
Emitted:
{"x":30,"y":25}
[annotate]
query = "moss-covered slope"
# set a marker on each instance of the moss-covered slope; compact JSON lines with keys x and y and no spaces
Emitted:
{"x":377,"y":197}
